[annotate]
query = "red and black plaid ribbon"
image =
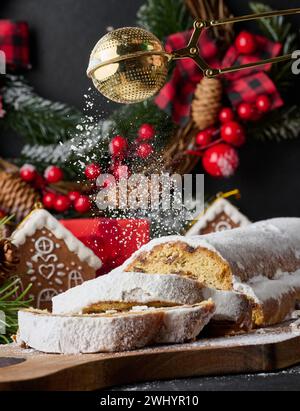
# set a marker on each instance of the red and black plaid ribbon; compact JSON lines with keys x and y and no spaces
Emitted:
{"x":14,"y":42}
{"x":176,"y":97}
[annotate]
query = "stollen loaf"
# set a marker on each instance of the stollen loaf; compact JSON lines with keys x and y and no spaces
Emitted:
{"x":261,"y":261}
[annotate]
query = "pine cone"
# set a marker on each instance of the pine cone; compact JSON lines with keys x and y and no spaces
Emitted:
{"x":207,"y":103}
{"x":16,"y":197}
{"x":9,"y":259}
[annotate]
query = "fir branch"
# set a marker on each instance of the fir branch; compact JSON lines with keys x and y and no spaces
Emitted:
{"x":279,"y":30}
{"x":33,"y":117}
{"x":10,"y":306}
{"x":91,"y":144}
{"x":128,"y":119}
{"x":164,"y":17}
{"x":279,"y":125}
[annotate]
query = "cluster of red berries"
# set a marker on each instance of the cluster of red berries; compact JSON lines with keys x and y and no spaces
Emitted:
{"x":218,"y":145}
{"x":62,"y":203}
{"x":119,"y":149}
{"x":52,"y":200}
{"x":119,"y":146}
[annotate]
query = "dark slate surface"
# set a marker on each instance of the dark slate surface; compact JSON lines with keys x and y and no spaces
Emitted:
{"x":288,"y":380}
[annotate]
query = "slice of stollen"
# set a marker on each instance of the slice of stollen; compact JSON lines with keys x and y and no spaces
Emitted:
{"x":122,"y":290}
{"x":112,"y":332}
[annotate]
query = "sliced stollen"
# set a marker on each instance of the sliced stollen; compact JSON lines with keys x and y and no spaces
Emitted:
{"x":252,"y":260}
{"x":115,"y":332}
{"x":120,"y":290}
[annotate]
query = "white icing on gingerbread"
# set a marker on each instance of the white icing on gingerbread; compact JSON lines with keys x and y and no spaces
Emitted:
{"x":40,"y":219}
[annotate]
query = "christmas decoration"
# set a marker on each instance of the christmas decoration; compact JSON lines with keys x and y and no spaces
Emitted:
{"x":174,"y":125}
{"x":16,"y":196}
{"x":92,"y":172}
{"x":118,"y":146}
{"x":28,"y":173}
{"x":144,"y":150}
{"x":62,"y":203}
{"x":9,"y":259}
{"x":207,"y":102}
{"x":73,"y":196}
{"x":226,"y":115}
{"x":146,"y":132}
{"x":112,"y":240}
{"x":11,"y":306}
{"x":246,"y":111}
{"x":246,"y":43}
{"x":263,"y":103}
{"x":203,"y":138}
{"x":233,"y":133}
{"x":220,"y":215}
{"x":53,"y":174}
{"x":51,"y":258}
{"x":82,"y":204}
{"x":49,"y":200}
{"x":5,"y":225}
{"x":121,"y":171}
{"x":220,"y":160}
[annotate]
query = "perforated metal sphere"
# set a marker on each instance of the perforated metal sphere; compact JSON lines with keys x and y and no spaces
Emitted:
{"x":128,"y":65}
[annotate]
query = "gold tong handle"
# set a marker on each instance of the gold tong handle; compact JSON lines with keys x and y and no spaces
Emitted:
{"x":192,"y":50}
{"x":250,"y":17}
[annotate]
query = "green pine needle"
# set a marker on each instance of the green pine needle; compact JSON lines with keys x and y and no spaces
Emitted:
{"x":164,"y":17}
{"x":279,"y":125}
{"x":33,"y":117}
{"x":10,"y":305}
{"x":278,"y":30}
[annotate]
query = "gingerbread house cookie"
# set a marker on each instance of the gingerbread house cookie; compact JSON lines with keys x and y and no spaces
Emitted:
{"x":220,"y":216}
{"x":52,"y":259}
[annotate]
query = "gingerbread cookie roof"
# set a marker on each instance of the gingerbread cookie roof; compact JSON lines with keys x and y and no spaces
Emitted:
{"x":218,"y":207}
{"x":40,"y":219}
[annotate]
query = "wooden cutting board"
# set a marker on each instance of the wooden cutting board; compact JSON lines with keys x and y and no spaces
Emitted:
{"x":265,"y":350}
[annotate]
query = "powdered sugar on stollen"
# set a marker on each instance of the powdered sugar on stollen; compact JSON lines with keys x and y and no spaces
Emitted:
{"x":129,"y":287}
{"x":111,"y":333}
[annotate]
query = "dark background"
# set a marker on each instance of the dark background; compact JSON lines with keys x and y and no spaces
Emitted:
{"x":63,"y":34}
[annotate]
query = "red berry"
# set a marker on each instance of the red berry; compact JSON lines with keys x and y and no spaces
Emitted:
{"x":226,"y":115}
{"x":82,"y":204}
{"x":263,"y":104}
{"x":73,"y":196}
{"x":49,"y":200}
{"x":233,"y":133}
{"x":62,"y":204}
{"x":118,"y":146}
{"x":246,"y":43}
{"x":53,"y":174}
{"x":92,"y":172}
{"x":246,"y":111}
{"x":203,"y":138}
{"x":146,"y":132}
{"x":28,"y":173}
{"x":220,"y":160}
{"x":120,"y":171}
{"x":144,"y":150}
